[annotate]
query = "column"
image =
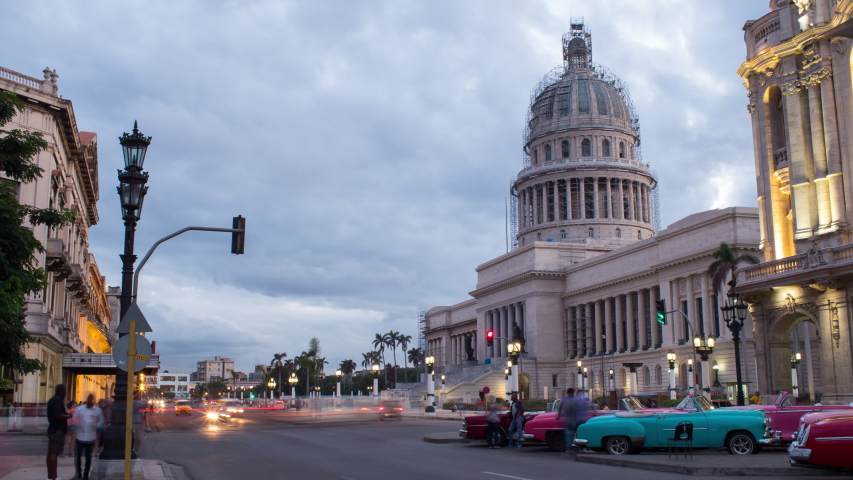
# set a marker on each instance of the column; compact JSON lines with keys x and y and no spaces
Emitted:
{"x":599,"y":326}
{"x":590,"y":329}
{"x":653,"y":298}
{"x":818,"y":141}
{"x":579,"y":345}
{"x":535,"y":202}
{"x":641,"y":320}
{"x":619,"y":199}
{"x":630,"y":343}
{"x":608,"y":326}
{"x":707,"y":306}
{"x":490,"y":325}
{"x":836,"y":186}
{"x":608,"y":199}
{"x":620,"y":319}
{"x":800,"y":164}
{"x":631,"y":200}
{"x":505,"y":332}
{"x":691,"y":313}
{"x":595,"y":196}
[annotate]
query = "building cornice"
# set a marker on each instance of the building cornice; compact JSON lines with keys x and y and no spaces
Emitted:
{"x":520,"y":278}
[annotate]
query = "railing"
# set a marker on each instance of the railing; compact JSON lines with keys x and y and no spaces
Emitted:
{"x":20,"y":78}
{"x":470,"y":374}
{"x":582,"y":162}
{"x":775,"y":267}
{"x":780,"y":158}
{"x":813,"y":259}
{"x":843,"y":253}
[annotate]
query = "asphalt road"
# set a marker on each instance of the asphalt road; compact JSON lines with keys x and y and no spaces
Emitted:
{"x":273,"y":445}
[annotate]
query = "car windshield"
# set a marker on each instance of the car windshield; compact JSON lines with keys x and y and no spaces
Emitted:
{"x":183,"y":404}
{"x":689,"y":404}
{"x":632,"y":403}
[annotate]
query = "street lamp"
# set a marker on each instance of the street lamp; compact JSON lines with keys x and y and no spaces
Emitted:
{"x":271,"y":385}
{"x":430,"y":362}
{"x":734,"y":313}
{"x":691,"y":388}
{"x":583,"y":379}
{"x":375,"y":369}
{"x":612,"y":381}
{"x":717,"y":376}
{"x":338,"y":374}
{"x":580,"y":373}
{"x":795,"y":362}
{"x":131,"y":190}
{"x":671,"y":358}
{"x":292,"y":381}
{"x":704,"y":347}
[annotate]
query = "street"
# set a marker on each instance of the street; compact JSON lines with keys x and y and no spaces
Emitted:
{"x":282,"y":445}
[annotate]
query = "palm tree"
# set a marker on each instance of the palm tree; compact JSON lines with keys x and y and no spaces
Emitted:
{"x":415,"y":355}
{"x":234,"y":378}
{"x":726,"y":262}
{"x":367,"y":361}
{"x":403,"y":341}
{"x":347,"y":368}
{"x":278,"y":364}
{"x":391,"y":339}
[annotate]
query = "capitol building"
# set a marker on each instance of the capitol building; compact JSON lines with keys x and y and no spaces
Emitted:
{"x":590,"y":260}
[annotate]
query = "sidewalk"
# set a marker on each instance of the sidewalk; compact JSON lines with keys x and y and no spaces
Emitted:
{"x":34,"y":468}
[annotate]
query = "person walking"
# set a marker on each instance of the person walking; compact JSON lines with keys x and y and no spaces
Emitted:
{"x":582,"y":406}
{"x":516,"y":426}
{"x":568,"y":415}
{"x":70,"y":407}
{"x":90,"y":422}
{"x":57,"y":418}
{"x":493,"y":436}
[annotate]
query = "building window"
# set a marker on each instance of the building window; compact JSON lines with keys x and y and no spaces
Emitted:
{"x":639,"y":234}
{"x":535,"y":156}
{"x":554,"y":378}
{"x":605,"y":148}
{"x":539,"y":236}
{"x":563,"y":233}
{"x":647,"y":376}
{"x":590,"y":233}
{"x":583,"y":96}
{"x":565,"y":149}
{"x":586,"y":148}
{"x":621,"y":149}
{"x":658,"y":376}
{"x":547,"y":153}
{"x":589,"y":197}
{"x":618,"y":232}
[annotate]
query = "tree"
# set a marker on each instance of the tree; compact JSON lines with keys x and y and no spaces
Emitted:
{"x":234,"y":379}
{"x":404,"y":341}
{"x":200,"y":390}
{"x":726,"y":262}
{"x":347,"y":368}
{"x":393,"y":338}
{"x":216,"y":387}
{"x":415,"y":356}
{"x":19,"y":276}
{"x":379,"y":343}
{"x":277,"y":363}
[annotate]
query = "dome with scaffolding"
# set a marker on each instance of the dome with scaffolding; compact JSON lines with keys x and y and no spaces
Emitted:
{"x":583,"y":178}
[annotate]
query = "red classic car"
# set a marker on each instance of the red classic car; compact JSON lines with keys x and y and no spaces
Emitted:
{"x":824,"y":439}
{"x":474,"y":426}
{"x":786,"y":416}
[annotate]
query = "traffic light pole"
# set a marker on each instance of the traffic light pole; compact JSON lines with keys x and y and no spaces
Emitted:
{"x":240,"y":231}
{"x":693,"y":331}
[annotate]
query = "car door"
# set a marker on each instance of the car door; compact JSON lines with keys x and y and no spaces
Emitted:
{"x":666,"y":423}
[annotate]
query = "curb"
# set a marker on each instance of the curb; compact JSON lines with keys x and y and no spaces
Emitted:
{"x":437,"y":439}
{"x":709,"y":471}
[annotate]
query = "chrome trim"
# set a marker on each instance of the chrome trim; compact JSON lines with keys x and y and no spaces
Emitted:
{"x":800,"y":454}
{"x":769,"y":441}
{"x":580,"y":442}
{"x":463,"y":433}
{"x":829,"y":439}
{"x":528,"y":436}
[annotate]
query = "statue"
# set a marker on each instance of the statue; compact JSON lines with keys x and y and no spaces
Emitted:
{"x":469,"y":350}
{"x":518,"y":336}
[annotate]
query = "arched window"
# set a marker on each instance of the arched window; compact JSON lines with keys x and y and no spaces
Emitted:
{"x":618,"y":232}
{"x":647,"y":376}
{"x":590,"y":233}
{"x":639,"y":234}
{"x":539,"y":236}
{"x":522,"y":241}
{"x":621,"y":149}
{"x":623,"y":378}
{"x":565,"y":149}
{"x":586,"y":148}
{"x":658,"y":376}
{"x":535,"y":156}
{"x":548,"y":153}
{"x":605,"y":148}
{"x":562,"y":234}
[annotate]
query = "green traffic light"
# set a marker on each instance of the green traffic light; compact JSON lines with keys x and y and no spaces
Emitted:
{"x":661,"y":319}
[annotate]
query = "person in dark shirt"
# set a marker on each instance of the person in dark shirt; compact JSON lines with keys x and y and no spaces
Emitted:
{"x":57,"y":418}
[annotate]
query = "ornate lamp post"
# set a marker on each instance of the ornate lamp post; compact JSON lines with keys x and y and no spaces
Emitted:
{"x":671,"y":358}
{"x":430,"y":362}
{"x":691,"y":386}
{"x":292,"y":381}
{"x":131,"y":191}
{"x":583,"y":379}
{"x":271,"y":385}
{"x":734,"y":313}
{"x":514,"y":350}
{"x":338,"y":374}
{"x":704,"y":347}
{"x":717,"y":377}
{"x":375,"y":369}
{"x":795,"y":362}
{"x":612,"y":381}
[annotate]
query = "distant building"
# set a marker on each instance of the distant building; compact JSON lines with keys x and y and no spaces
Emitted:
{"x":218,"y":368}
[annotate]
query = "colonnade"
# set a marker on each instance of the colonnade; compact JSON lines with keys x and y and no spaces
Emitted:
{"x":584,"y":198}
{"x":456,"y":352}
{"x":501,"y":321}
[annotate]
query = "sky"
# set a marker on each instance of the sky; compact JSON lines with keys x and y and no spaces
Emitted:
{"x":370,"y":145}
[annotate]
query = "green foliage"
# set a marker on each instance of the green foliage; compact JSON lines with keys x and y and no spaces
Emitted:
{"x":19,"y":276}
{"x":725,"y":262}
{"x":216,"y":387}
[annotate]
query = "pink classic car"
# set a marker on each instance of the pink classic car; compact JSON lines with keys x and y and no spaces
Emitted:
{"x":786,"y":416}
{"x":824,"y":440}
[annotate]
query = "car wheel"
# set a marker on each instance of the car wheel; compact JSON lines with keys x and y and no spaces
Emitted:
{"x":741,"y":443}
{"x":556,"y":441}
{"x":503,"y":440}
{"x":618,"y":445}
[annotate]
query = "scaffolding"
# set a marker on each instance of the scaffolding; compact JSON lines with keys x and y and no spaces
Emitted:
{"x":513,"y":215}
{"x":422,"y":325}
{"x":655,"y":202}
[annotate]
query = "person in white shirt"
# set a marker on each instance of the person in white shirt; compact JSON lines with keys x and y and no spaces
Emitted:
{"x":90,"y":422}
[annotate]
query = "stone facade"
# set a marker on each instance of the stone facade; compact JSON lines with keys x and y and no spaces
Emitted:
{"x":72,"y":315}
{"x":798,"y":79}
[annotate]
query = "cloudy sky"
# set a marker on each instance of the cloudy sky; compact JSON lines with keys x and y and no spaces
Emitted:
{"x":369,"y":144}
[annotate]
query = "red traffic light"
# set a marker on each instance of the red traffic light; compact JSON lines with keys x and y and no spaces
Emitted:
{"x":490,"y":337}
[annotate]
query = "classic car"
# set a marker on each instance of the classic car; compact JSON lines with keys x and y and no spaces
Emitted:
{"x":390,"y":409}
{"x":823,"y":439}
{"x":474,"y":426}
{"x":786,"y":416}
{"x":741,"y":431}
{"x":546,"y":428}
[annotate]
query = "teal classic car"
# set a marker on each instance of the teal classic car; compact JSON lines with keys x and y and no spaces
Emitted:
{"x":741,"y":431}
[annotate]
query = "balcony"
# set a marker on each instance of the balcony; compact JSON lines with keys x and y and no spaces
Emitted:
{"x":76,"y":283}
{"x":102,"y":364}
{"x":56,"y":259}
{"x":814,"y":268}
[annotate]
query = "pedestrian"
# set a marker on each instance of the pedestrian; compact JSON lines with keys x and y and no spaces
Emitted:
{"x":568,"y":415}
{"x":516,"y":426}
{"x":493,"y":431}
{"x":90,"y":422}
{"x":70,"y":407}
{"x":755,"y":399}
{"x":138,"y":421}
{"x":105,"y":407}
{"x":582,"y":405}
{"x":57,"y":427}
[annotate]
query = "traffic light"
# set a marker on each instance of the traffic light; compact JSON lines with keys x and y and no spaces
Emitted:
{"x":238,"y":239}
{"x":490,"y":338}
{"x":661,"y":311}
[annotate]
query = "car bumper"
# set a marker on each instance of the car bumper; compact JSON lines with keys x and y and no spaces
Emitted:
{"x":770,"y":441}
{"x":463,"y":433}
{"x":580,"y":442}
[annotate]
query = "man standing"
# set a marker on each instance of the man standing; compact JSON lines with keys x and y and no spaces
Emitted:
{"x":90,"y":422}
{"x":568,"y":414}
{"x":516,"y":412}
{"x":57,"y":418}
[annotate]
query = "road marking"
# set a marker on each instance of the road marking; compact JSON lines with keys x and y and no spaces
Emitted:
{"x":506,"y":476}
